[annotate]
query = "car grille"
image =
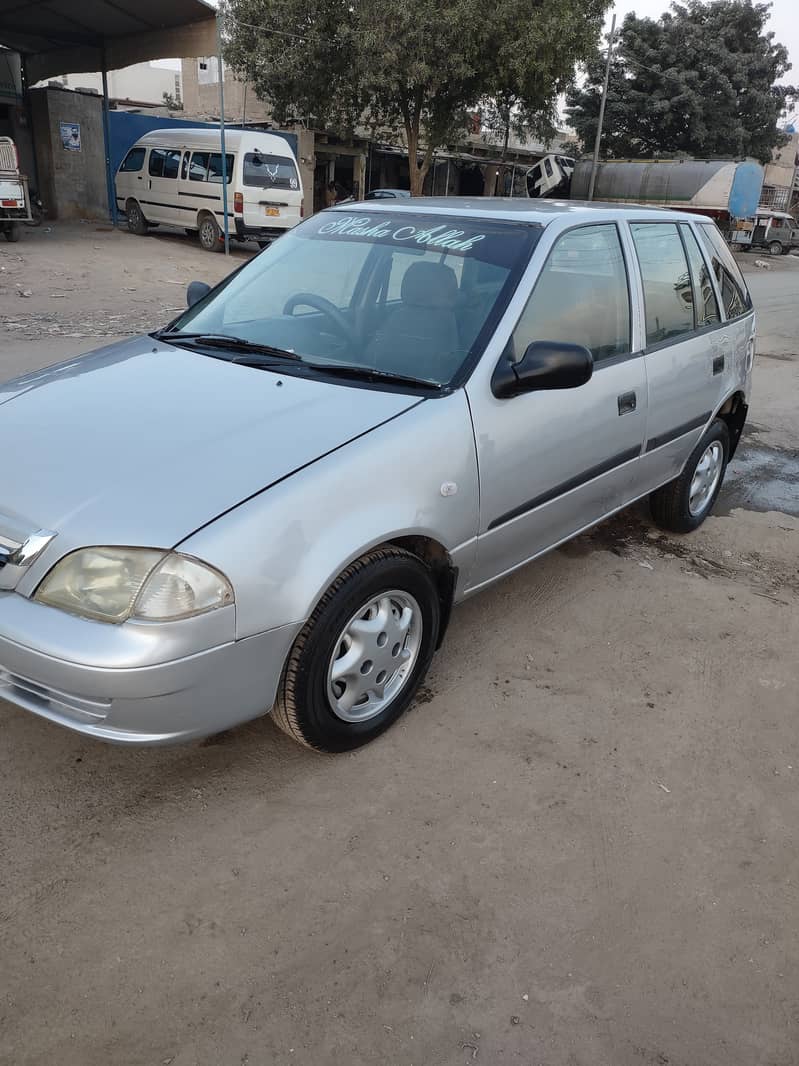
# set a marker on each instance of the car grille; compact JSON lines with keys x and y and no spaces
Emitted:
{"x":36,"y":697}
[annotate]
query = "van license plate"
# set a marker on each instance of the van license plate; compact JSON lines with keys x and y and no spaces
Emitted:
{"x":272,"y":212}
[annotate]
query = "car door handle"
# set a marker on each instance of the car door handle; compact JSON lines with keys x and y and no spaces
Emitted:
{"x":627,"y":402}
{"x":718,"y":364}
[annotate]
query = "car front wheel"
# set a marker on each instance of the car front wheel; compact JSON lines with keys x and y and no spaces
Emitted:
{"x":356,"y":665}
{"x":137,"y":223}
{"x":683,"y":504}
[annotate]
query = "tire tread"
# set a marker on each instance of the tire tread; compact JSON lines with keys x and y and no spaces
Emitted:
{"x":284,"y":712}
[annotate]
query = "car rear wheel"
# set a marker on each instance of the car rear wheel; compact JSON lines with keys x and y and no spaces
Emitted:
{"x":12,"y":232}
{"x":137,"y":223}
{"x":775,"y":248}
{"x":684,"y":504}
{"x":210,"y":234}
{"x":355,"y":667}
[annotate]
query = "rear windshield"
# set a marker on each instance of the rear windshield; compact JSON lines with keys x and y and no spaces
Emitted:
{"x":270,"y":171}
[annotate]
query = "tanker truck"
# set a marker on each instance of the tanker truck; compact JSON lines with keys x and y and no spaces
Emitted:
{"x":728,"y":190}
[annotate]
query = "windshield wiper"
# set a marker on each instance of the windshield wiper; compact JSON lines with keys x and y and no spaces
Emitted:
{"x":224,"y":340}
{"x":368,"y":373}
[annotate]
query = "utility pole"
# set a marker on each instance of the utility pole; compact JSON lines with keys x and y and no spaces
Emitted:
{"x":226,"y":224}
{"x":598,"y":139}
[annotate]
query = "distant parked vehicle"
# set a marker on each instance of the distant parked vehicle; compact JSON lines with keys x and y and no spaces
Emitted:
{"x":550,"y":177}
{"x":174,"y":176}
{"x":776,"y":231}
{"x":14,"y":192}
{"x":388,"y":194}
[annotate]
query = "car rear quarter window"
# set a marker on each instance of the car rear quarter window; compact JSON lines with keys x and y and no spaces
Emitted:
{"x":581,"y":296}
{"x":734,"y":293}
{"x":668,"y":294}
{"x":706,"y":307}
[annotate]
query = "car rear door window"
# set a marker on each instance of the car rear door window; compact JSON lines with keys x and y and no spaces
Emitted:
{"x":668,"y":294}
{"x":156,"y":165}
{"x":171,"y":163}
{"x":270,"y":171}
{"x":734,"y":293}
{"x":215,"y":168}
{"x":706,"y":307}
{"x":198,"y":168}
{"x":581,"y":296}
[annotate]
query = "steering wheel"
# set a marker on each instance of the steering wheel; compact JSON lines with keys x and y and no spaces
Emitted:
{"x":310,"y":299}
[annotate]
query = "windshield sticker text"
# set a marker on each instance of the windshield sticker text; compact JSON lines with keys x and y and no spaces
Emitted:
{"x":432,"y":237}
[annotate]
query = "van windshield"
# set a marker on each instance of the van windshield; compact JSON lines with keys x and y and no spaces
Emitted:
{"x":403,"y":293}
{"x":270,"y":171}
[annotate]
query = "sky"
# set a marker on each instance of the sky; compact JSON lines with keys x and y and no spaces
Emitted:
{"x":784,"y":22}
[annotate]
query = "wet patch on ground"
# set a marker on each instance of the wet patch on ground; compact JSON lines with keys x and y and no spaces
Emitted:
{"x":631,"y":535}
{"x":761,"y":479}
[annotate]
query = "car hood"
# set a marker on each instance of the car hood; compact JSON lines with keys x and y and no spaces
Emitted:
{"x":143,"y":443}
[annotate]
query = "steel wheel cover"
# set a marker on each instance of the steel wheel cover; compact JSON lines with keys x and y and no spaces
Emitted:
{"x":374,"y":656}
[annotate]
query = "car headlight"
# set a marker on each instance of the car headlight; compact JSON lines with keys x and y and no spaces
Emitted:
{"x":114,"y":584}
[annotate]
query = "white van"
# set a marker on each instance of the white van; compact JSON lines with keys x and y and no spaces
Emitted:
{"x":174,"y":177}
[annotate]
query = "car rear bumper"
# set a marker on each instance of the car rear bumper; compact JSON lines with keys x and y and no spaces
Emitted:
{"x":158,"y":703}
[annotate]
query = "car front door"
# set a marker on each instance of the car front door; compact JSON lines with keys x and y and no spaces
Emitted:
{"x":554,"y":462}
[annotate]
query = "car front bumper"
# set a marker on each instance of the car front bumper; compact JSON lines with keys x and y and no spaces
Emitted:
{"x":123,"y":696}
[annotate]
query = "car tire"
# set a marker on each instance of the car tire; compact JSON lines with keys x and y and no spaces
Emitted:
{"x":323,"y":699}
{"x":137,"y":223}
{"x":683,"y":504}
{"x":12,"y":232}
{"x":210,"y":234}
{"x":775,"y":248}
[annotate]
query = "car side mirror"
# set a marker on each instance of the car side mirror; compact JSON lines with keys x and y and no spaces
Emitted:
{"x":196,"y":291}
{"x":544,"y":365}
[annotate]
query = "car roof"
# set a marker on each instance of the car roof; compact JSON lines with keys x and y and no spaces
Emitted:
{"x":192,"y":137}
{"x":522,"y":209}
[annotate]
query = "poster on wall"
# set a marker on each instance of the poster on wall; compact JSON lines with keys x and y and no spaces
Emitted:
{"x":70,"y":136}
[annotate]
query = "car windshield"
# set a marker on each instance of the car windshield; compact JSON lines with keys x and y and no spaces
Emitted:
{"x":402,"y":293}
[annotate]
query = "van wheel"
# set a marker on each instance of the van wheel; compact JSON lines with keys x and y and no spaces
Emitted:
{"x":137,"y":223}
{"x":12,"y":232}
{"x":210,"y":234}
{"x":684,"y":504}
{"x":775,"y":248}
{"x":355,"y":667}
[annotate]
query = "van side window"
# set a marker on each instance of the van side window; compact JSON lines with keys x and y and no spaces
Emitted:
{"x":734,"y":293}
{"x":184,"y":166}
{"x":133,"y":161}
{"x":668,"y":295}
{"x":706,"y":307}
{"x":199,"y":166}
{"x":215,"y":168}
{"x":171,"y":163}
{"x":581,"y":296}
{"x":156,"y":165}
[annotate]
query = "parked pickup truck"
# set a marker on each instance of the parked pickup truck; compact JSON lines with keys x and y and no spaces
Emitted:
{"x":775,"y":230}
{"x":15,"y":201}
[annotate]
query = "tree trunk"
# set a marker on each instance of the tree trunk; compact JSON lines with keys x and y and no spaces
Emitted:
{"x":418,"y":171}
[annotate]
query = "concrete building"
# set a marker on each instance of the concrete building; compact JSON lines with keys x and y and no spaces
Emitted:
{"x":142,"y":83}
{"x":781,"y":183}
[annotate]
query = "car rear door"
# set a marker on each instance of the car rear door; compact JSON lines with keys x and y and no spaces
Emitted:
{"x":687,"y":346}
{"x":271,"y":190}
{"x":552,"y":463}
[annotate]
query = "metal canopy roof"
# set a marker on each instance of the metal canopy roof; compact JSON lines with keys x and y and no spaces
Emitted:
{"x":69,"y":37}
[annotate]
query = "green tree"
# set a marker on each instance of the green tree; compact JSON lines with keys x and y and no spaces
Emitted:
{"x":699,"y":81}
{"x":414,"y":68}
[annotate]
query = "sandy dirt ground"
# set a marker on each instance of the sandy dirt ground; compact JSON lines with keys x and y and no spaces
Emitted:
{"x":578,"y":849}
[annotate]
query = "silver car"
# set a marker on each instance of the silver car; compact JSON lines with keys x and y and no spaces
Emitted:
{"x":275,"y":502}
